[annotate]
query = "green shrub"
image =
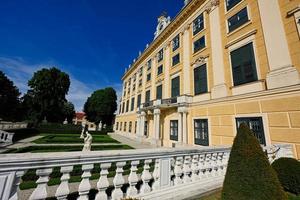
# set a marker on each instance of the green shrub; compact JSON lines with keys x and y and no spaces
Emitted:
{"x":288,"y":172}
{"x":57,"y":128}
{"x":23,"y":133}
{"x":249,"y":174}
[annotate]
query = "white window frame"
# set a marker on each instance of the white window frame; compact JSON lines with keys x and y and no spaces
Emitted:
{"x":250,"y":39}
{"x":209,"y":130}
{"x":192,"y":23}
{"x":265,"y":122}
{"x":242,"y":26}
{"x":225,"y":6}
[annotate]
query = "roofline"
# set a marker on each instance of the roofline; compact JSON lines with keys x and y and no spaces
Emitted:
{"x":163,"y":34}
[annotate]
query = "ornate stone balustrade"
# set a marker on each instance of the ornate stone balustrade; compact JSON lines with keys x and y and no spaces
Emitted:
{"x":162,"y":173}
{"x":6,"y":137}
{"x":10,"y":125}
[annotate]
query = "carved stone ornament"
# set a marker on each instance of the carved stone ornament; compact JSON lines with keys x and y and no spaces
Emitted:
{"x":211,"y":4}
{"x":200,"y":60}
{"x":163,"y":22}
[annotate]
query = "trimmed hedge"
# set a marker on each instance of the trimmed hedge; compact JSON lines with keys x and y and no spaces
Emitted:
{"x":57,"y":128}
{"x":23,"y":133}
{"x":288,"y":172}
{"x":249,"y":174}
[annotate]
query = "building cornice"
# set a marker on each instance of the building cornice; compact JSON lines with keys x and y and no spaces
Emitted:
{"x":181,"y":17}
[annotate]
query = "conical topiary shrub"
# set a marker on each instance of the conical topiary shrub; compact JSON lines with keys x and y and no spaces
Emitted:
{"x":249,"y":174}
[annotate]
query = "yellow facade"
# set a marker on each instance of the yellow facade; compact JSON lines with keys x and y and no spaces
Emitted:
{"x":270,"y":102}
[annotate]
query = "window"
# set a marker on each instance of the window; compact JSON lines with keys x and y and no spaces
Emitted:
{"x":148,"y":77}
{"x":201,"y":132}
{"x":141,"y":71}
{"x":123,"y":107}
{"x":147,"y":96}
{"x":139,"y":100}
{"x":238,"y":19}
{"x":176,"y":59}
{"x":121,"y":125}
{"x":176,"y":43}
{"x":199,"y":44}
{"x":149,"y":64}
{"x":117,"y":126}
{"x":243,"y":65}
{"x":198,"y":24}
{"x":200,"y":80}
{"x":160,"y":55}
{"x":256,"y":125}
{"x":140,"y":82}
{"x":159,"y":70}
{"x":127,"y":106}
{"x":174,"y":130}
{"x":146,"y":128}
{"x":130,"y":126}
{"x":135,"y":125}
{"x":159,"y":92}
{"x":133,"y":87}
{"x":132,"y":104}
{"x":231,"y":3}
{"x":120,"y":108}
{"x":175,"y":87}
{"x":125,"y":124}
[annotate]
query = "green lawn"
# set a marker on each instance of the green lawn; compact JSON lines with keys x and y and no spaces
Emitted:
{"x":217,"y":196}
{"x":72,"y":138}
{"x":44,"y":149}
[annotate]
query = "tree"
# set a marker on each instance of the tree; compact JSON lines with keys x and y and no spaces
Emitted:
{"x":49,"y":88}
{"x":101,"y":106}
{"x":69,"y":111}
{"x":249,"y":174}
{"x":9,"y":99}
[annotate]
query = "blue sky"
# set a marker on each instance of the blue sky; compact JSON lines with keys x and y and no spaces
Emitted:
{"x":92,"y":40}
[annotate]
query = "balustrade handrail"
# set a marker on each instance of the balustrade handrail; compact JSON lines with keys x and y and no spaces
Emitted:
{"x":17,"y":162}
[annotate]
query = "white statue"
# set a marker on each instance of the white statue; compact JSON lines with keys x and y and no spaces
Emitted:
{"x":65,"y":122}
{"x":87,"y":139}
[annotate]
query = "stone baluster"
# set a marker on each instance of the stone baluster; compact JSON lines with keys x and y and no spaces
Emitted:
{"x":214,"y":164}
{"x":133,"y":179}
{"x":85,"y":186}
{"x":187,"y":169}
{"x":208,"y":165}
{"x":40,"y":191}
{"x":178,"y":171}
{"x":172,"y":171}
{"x":118,"y":181}
{"x":220,"y":163}
{"x":194,"y":168}
{"x":146,"y":177}
{"x":15,"y":188}
{"x":63,"y":188}
{"x":156,"y":175}
{"x":103,"y":183}
{"x":201,"y":166}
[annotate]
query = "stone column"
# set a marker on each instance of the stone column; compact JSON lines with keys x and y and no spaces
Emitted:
{"x":180,"y":137}
{"x":184,"y":127}
{"x":142,"y":124}
{"x":156,"y":126}
{"x":186,"y":60}
{"x":138,"y":124}
{"x":282,"y":72}
{"x":219,"y":87}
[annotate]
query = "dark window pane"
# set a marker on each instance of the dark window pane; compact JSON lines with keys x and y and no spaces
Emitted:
{"x":148,"y":77}
{"x":243,"y":65}
{"x":159,"y":92}
{"x":159,"y":69}
{"x":201,"y":132}
{"x":174,"y":130}
{"x":238,"y":19}
{"x":198,"y":24}
{"x":175,"y":59}
{"x":132,"y":104}
{"x":176,"y":42}
{"x":200,"y":79}
{"x":199,"y":44}
{"x":160,"y":55}
{"x":147,"y":97}
{"x":139,"y":100}
{"x":127,"y":106}
{"x":256,"y":125}
{"x":175,"y":87}
{"x":231,"y":3}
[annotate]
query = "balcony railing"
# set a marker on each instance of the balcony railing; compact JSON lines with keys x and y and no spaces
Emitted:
{"x":169,"y":101}
{"x":159,"y":173}
{"x":10,"y":125}
{"x":148,"y":104}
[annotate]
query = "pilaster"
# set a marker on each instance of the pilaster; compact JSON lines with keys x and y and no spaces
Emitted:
{"x":282,"y":73}
{"x":186,"y":60}
{"x":166,"y":88}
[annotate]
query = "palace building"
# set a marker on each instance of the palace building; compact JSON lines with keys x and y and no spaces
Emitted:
{"x":217,"y":64}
